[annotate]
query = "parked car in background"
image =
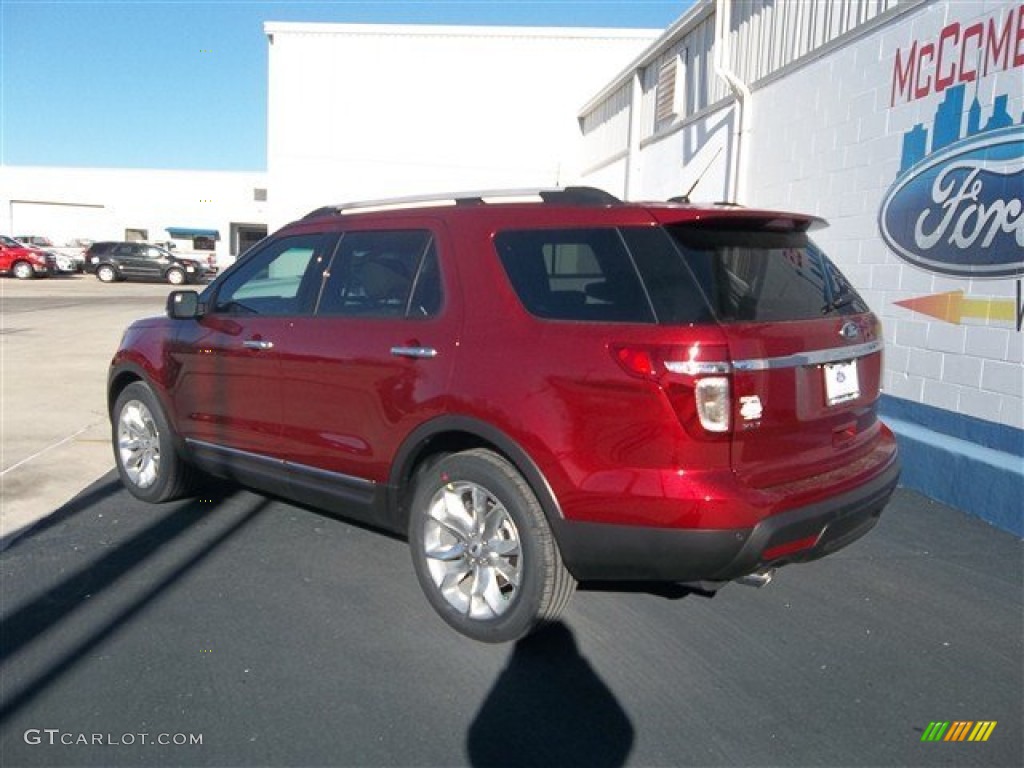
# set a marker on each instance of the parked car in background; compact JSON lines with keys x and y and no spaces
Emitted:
{"x":37,"y":240}
{"x":207,"y":258}
{"x":24,"y":261}
{"x":63,"y":264}
{"x":69,"y":257}
{"x":111,"y":261}
{"x":533,"y":393}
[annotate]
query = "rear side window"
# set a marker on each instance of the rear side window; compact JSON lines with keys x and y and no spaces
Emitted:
{"x":379,"y":274}
{"x":574,"y":274}
{"x":757,"y":276}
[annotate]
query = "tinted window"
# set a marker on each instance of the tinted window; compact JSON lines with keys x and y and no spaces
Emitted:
{"x":273,"y":280}
{"x":675,"y":295}
{"x":765,"y":276}
{"x":374,"y":274}
{"x":574,"y":274}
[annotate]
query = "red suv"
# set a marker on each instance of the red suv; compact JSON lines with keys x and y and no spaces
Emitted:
{"x":534,"y":392}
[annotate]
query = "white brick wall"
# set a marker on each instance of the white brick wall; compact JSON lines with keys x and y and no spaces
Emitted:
{"x":841,"y":156}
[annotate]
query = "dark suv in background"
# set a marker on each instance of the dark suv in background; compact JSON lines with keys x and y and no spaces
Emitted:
{"x":112,"y":261}
{"x":535,"y":393}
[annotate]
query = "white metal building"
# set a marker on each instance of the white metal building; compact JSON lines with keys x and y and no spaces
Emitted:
{"x":203,"y":212}
{"x":899,"y":121}
{"x":368,"y":111}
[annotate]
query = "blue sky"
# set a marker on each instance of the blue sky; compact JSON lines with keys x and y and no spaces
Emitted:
{"x":183,"y":84}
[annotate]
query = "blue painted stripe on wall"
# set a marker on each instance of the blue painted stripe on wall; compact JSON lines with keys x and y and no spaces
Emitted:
{"x":940,"y":461}
{"x":999,"y":437}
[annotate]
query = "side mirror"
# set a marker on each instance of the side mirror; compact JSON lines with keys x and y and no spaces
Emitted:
{"x":183,"y":305}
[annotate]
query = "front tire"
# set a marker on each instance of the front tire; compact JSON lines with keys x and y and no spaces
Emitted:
{"x":23,"y":270}
{"x":482,"y":549}
{"x":144,"y":452}
{"x":175,"y":277}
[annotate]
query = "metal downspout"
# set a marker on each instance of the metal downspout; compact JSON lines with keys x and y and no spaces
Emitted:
{"x":740,"y":91}
{"x":633,"y":138}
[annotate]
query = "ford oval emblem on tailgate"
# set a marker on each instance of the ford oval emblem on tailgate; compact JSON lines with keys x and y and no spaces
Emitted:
{"x":849,"y":331}
{"x":959,"y":210}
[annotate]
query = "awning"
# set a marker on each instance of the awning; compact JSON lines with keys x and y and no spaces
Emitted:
{"x":187,"y":233}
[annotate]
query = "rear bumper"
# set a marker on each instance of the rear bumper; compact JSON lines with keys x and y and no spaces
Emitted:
{"x":603,"y":552}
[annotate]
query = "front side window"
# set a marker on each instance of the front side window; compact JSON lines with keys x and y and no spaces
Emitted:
{"x":155,"y":254}
{"x":278,"y":280}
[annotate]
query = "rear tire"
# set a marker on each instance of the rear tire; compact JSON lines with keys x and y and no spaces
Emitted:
{"x":482,"y":549}
{"x":144,"y":451}
{"x":106,"y":273}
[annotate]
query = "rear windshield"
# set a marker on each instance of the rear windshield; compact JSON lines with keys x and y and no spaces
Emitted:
{"x":681,"y":275}
{"x":764,"y":276}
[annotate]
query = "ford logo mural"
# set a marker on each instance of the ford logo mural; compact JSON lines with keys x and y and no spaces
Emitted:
{"x":959,"y":211}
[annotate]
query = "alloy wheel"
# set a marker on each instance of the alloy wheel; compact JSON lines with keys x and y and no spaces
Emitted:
{"x":138,"y":444}
{"x":473,"y":550}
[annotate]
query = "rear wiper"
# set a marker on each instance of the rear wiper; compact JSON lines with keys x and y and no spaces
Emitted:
{"x":836,"y":304}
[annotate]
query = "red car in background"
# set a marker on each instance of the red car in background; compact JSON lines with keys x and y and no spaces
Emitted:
{"x":24,"y":261}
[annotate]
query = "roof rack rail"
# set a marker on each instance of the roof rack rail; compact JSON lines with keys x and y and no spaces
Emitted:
{"x":550,"y":195}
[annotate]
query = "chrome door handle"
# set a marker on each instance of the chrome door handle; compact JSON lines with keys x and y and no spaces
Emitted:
{"x":258,"y":344}
{"x":415,"y":352}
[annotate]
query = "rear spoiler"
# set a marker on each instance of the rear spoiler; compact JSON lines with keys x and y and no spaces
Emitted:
{"x":735,"y":217}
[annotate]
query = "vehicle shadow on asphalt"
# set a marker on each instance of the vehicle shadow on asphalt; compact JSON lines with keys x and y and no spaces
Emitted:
{"x":60,"y":603}
{"x":549,"y":707}
{"x":92,"y":496}
{"x":666,"y":590}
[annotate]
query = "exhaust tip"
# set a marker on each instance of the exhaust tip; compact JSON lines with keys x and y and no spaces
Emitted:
{"x":757,"y":579}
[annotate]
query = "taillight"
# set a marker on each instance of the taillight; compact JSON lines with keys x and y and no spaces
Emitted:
{"x":713,"y":403}
{"x":695,"y":378}
{"x":639,"y":362}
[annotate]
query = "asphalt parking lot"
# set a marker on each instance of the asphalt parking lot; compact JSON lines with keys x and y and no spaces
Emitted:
{"x":237,"y":629}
